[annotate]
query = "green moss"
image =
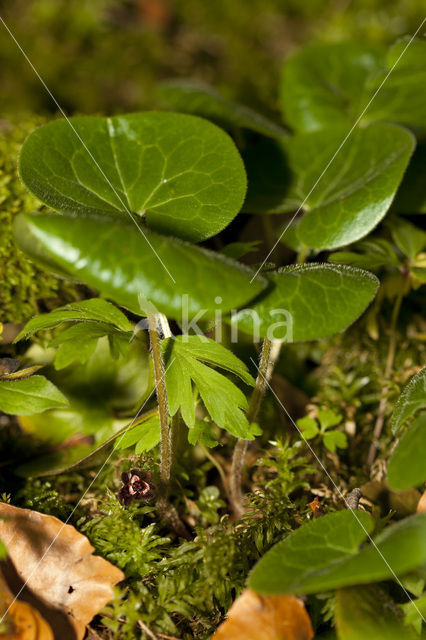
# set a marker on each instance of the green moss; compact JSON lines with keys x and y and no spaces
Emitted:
{"x":25,"y":289}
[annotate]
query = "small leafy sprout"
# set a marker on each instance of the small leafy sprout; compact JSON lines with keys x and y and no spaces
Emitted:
{"x":138,"y":485}
{"x":327,"y":418}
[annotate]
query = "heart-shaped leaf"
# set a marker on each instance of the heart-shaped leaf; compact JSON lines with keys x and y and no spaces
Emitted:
{"x":201,"y":100}
{"x":412,"y":398}
{"x":407,"y":466}
{"x":181,"y":173}
{"x":325,"y":84}
{"x":324,"y":554}
{"x":29,"y":395}
{"x":308,"y":302}
{"x":345,"y":190}
{"x":400,"y":98}
{"x":337,"y":83}
{"x":112,"y":256}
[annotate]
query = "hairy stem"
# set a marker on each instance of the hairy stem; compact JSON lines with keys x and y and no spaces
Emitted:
{"x":156,"y":322}
{"x":269,"y":356}
{"x":378,"y":427}
{"x":163,"y":408}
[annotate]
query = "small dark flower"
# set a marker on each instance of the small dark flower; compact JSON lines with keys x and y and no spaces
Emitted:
{"x":137,"y":485}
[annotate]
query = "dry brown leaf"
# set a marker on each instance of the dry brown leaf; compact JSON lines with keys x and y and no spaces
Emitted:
{"x":66,"y":583}
{"x":22,"y":621}
{"x":421,"y":507}
{"x":254,"y":617}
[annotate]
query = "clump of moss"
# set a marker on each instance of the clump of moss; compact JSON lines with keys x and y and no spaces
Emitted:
{"x":25,"y":290}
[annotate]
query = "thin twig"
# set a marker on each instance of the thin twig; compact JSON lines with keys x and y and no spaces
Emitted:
{"x":147,"y":630}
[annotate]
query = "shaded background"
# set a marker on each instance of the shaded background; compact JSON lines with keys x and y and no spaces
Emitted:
{"x":106,"y":56}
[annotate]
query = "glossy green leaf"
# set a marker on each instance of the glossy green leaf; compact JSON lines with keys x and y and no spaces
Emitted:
{"x":412,"y":398}
{"x":93,"y":310}
{"x":325,"y":84}
{"x":307,"y":552}
{"x":182,"y":174}
{"x":338,"y":83}
{"x":369,"y":612}
{"x":407,"y":468}
{"x":345,"y":190}
{"x":201,"y":100}
{"x":225,"y":402}
{"x":400,"y":98}
{"x":112,"y":256}
{"x":30,"y":395}
{"x":324,"y":554}
{"x":308,"y":302}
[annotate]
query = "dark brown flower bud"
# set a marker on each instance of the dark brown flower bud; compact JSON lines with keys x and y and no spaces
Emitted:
{"x":137,"y":485}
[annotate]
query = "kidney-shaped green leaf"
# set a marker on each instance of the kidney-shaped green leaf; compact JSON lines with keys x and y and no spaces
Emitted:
{"x":181,"y":173}
{"x":323,"y":85}
{"x":122,"y":263}
{"x":324,"y":554}
{"x":400,"y":97}
{"x":344,"y":192}
{"x":407,"y":466}
{"x":201,"y":100}
{"x":30,"y":395}
{"x":412,"y":398}
{"x":308,"y":302}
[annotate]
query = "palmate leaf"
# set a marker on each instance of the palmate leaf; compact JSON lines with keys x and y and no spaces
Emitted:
{"x":308,"y":302}
{"x":185,"y":358}
{"x":325,"y":554}
{"x":123,"y":263}
{"x":93,"y":310}
{"x":344,"y":196}
{"x":145,"y":436}
{"x":181,"y":173}
{"x":92,"y":320}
